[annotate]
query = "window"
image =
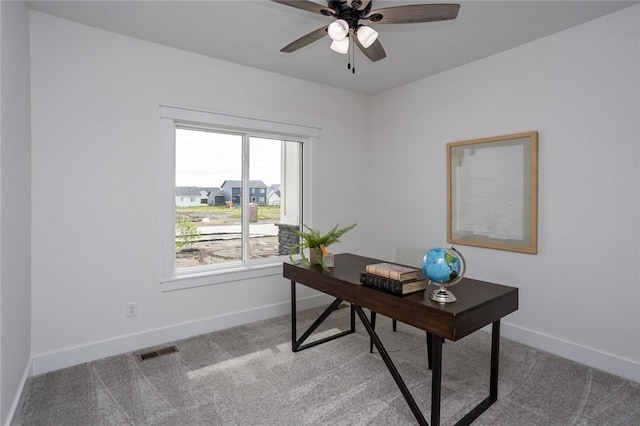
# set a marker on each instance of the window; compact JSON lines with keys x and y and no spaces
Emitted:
{"x":232,"y":232}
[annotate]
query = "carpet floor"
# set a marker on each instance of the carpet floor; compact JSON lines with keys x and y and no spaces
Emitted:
{"x":248,"y":375}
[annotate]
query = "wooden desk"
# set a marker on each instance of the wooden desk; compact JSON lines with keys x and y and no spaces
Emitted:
{"x":479,"y":304}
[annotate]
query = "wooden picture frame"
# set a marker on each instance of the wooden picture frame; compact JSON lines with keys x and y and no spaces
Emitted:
{"x":492,"y":192}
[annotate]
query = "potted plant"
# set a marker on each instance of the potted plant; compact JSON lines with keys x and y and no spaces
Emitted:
{"x":313,"y":239}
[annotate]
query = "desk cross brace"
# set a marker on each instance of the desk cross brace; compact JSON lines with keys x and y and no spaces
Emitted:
{"x":297,"y":344}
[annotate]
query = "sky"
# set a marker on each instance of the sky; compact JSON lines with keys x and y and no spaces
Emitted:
{"x":207,"y":159}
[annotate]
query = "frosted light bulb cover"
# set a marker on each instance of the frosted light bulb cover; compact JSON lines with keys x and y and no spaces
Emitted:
{"x":366,"y":36}
{"x":340,"y":46}
{"x":338,"y":30}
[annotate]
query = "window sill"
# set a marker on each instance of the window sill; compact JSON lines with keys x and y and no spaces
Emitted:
{"x":226,"y":275}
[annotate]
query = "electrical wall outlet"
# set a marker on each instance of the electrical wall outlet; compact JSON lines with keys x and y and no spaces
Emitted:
{"x":132,"y":309}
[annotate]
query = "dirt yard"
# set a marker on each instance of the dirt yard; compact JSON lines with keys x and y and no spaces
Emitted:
{"x":225,"y":247}
{"x":225,"y":250}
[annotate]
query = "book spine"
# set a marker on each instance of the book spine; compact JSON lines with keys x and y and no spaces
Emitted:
{"x":391,"y":286}
{"x":368,"y":279}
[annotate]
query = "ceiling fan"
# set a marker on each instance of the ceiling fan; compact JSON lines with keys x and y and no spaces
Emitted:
{"x":347,"y":26}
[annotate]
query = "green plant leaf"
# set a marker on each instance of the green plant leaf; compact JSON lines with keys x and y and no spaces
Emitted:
{"x":313,"y":238}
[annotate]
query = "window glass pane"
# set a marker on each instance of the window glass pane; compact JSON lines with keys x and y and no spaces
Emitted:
{"x":209,"y":175}
{"x":275,"y":176}
{"x":264,"y":172}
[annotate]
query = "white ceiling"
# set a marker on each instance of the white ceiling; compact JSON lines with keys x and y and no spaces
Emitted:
{"x":253,"y":32}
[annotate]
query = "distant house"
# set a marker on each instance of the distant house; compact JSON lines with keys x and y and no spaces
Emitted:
{"x":232,"y":191}
{"x":273,"y":195}
{"x":215,"y":197}
{"x":188,"y":196}
{"x":191,"y":196}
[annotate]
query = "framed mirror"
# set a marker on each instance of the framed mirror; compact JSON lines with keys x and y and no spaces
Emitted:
{"x":492,"y":192}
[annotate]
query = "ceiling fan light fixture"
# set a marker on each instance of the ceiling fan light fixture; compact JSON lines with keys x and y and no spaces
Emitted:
{"x":338,"y":30}
{"x":347,"y":15}
{"x":340,"y":46}
{"x":366,"y":35}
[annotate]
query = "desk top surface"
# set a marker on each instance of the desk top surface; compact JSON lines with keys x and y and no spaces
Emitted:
{"x":479,"y":303}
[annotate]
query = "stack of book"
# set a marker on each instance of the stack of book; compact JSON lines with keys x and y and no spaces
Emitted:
{"x":392,"y":278}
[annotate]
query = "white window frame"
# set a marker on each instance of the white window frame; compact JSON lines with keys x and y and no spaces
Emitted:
{"x":170,"y":117}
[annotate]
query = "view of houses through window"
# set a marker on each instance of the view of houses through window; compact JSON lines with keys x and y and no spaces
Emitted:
{"x":233,"y":194}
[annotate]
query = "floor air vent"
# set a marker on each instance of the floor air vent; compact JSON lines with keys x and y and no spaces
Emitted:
{"x":160,"y":352}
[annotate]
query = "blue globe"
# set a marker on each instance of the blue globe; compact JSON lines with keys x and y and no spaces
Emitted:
{"x":441,"y":265}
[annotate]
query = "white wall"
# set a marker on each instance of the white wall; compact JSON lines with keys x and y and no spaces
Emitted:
{"x":580,"y":89}
{"x":95,"y":130}
{"x":15,"y":191}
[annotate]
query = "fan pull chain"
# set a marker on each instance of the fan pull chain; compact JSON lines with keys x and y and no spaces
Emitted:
{"x":352,"y":57}
{"x":349,"y":53}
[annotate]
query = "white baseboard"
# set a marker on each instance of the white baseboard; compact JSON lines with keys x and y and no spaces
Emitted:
{"x":613,"y":364}
{"x":57,"y":360}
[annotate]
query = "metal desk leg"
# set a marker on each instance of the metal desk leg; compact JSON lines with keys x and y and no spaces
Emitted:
{"x":297,"y":344}
{"x":429,"y":353}
{"x":392,"y":368}
{"x":495,"y":357}
{"x":373,"y":326}
{"x":436,"y":378}
{"x":395,"y":328}
{"x":493,"y":379}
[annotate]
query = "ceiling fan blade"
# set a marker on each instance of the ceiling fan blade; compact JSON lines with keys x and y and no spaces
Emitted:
{"x":413,"y":13}
{"x":307,"y":5}
{"x":305,"y":40}
{"x":375,"y":52}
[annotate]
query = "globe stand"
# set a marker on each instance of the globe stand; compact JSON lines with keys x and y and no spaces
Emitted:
{"x":442,"y":295}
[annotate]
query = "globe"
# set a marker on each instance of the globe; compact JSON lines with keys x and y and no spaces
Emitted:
{"x":444,"y":267}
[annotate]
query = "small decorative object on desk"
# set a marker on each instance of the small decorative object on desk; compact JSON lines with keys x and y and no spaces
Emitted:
{"x":327,"y":258}
{"x":389,"y":285}
{"x":444,"y":268}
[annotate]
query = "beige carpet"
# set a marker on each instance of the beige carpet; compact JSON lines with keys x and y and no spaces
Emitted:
{"x":248,"y":375}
